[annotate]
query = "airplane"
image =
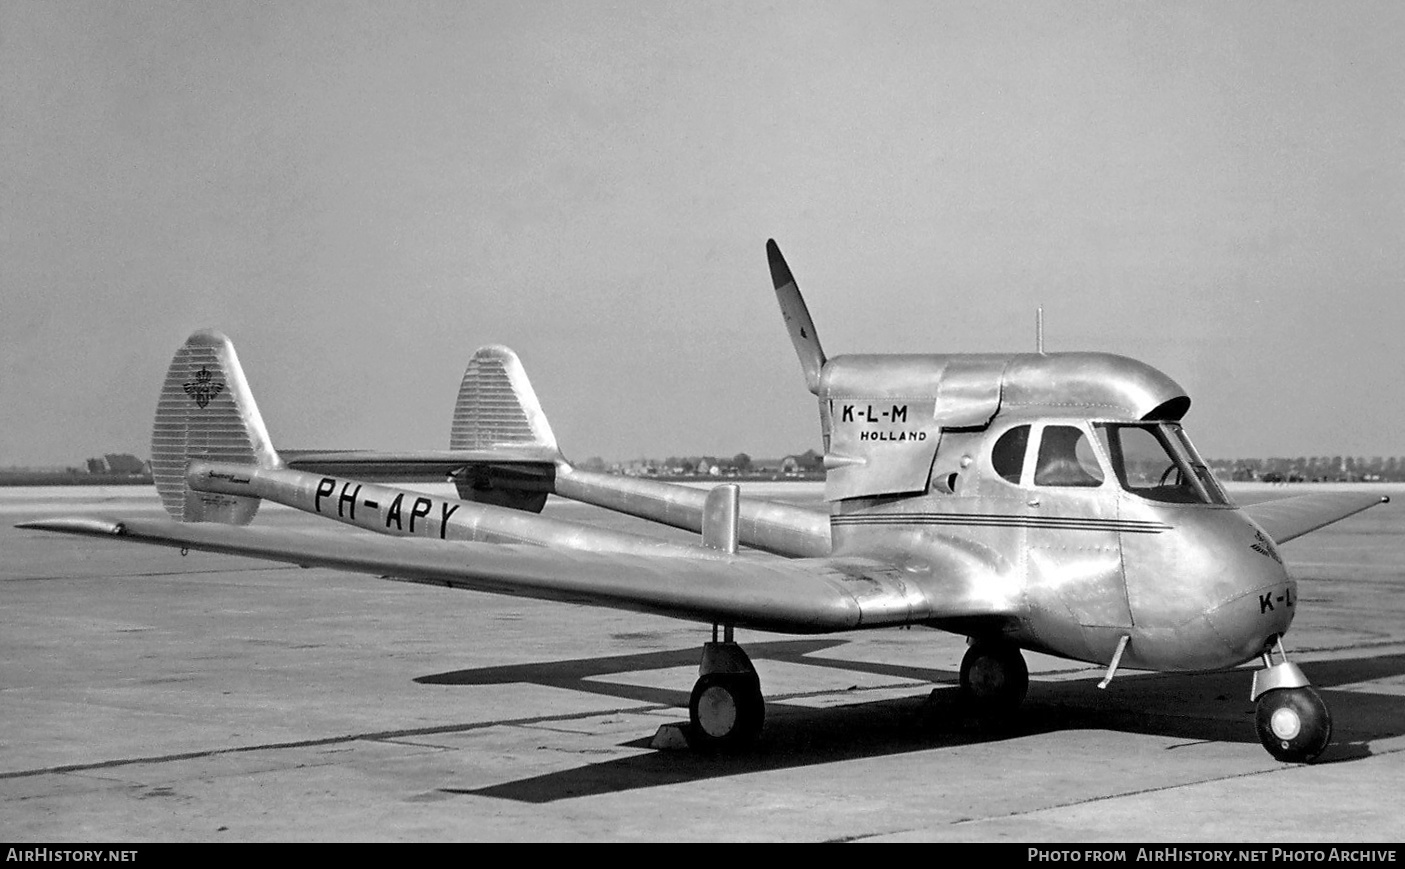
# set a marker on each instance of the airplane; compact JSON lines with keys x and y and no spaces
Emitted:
{"x":1043,"y":502}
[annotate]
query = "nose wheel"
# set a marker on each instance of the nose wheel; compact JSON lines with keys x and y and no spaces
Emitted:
{"x":1293,"y":724}
{"x":994,"y":678}
{"x":1290,"y":717}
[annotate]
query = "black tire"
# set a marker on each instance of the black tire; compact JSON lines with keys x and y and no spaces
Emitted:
{"x":1293,"y":724}
{"x":725,"y":712}
{"x":994,"y":678}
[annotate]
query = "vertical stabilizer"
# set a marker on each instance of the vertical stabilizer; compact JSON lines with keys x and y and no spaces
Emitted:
{"x":797,"y":318}
{"x":497,"y":413}
{"x":497,"y":406}
{"x":207,"y":412}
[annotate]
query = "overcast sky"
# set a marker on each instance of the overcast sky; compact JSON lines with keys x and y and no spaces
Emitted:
{"x":361,"y":194}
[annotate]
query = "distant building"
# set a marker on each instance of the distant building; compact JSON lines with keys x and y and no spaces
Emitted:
{"x":127,"y":465}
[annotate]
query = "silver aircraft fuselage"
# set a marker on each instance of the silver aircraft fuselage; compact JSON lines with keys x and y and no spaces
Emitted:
{"x":1194,"y":586}
{"x":1139,"y":549}
{"x":1067,"y":477}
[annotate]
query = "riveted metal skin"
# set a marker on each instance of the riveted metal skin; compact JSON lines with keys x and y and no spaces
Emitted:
{"x":1201,"y":595}
{"x":1193,"y":586}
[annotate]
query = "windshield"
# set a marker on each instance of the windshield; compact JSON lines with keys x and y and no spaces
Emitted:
{"x":1158,"y":462}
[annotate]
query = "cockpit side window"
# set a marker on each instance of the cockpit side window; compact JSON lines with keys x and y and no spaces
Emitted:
{"x":1066,"y":458}
{"x":1008,"y":453}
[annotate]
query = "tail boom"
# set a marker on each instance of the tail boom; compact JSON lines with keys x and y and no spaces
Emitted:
{"x":770,"y":526}
{"x":402,"y":512}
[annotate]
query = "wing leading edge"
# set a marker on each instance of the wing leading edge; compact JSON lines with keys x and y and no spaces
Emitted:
{"x":1288,"y":518}
{"x":790,"y":596}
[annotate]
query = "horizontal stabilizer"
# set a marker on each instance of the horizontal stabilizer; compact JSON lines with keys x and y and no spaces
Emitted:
{"x":1287,"y":518}
{"x":421,"y":465}
{"x":501,"y":447}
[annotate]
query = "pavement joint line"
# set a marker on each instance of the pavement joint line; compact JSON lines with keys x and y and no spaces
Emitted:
{"x":1353,"y":647}
{"x":392,"y":736}
{"x":860,"y":837}
{"x":376,"y":736}
{"x":1281,"y":768}
{"x":1287,"y":767}
{"x":410,"y":743}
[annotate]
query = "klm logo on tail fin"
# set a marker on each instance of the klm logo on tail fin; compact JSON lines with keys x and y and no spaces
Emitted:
{"x":203,"y":388}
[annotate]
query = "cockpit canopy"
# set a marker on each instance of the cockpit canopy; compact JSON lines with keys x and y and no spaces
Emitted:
{"x":888,"y":420}
{"x":1155,"y":461}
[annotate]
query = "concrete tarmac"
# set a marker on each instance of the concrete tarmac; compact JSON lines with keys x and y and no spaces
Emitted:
{"x":147,"y":697}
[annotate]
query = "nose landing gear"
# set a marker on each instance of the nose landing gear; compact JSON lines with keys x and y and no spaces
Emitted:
{"x":1291,"y":718}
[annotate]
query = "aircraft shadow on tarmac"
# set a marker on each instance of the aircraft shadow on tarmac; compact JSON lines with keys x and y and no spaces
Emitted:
{"x":1202,"y":707}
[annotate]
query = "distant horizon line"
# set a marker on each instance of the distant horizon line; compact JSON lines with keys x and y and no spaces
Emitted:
{"x":1338,"y":459}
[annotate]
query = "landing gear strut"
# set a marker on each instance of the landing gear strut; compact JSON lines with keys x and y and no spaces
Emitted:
{"x":726,"y":710}
{"x":1292,"y":721}
{"x":994,"y":677}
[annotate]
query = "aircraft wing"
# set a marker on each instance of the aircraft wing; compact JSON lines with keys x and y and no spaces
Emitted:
{"x":1287,"y":518}
{"x":792,"y":596}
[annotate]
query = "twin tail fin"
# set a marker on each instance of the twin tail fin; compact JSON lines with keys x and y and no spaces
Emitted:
{"x":500,"y":424}
{"x":206,"y":412}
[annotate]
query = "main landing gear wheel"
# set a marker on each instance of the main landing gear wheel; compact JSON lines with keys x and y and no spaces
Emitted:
{"x":1293,"y":724}
{"x":994,"y":678}
{"x":726,"y":711}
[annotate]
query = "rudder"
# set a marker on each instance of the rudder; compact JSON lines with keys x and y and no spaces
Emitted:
{"x":206,"y":411}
